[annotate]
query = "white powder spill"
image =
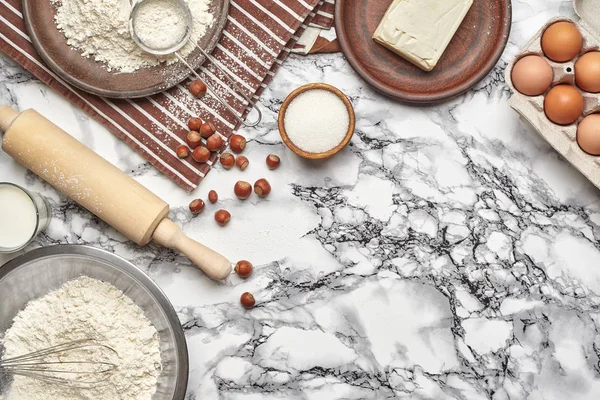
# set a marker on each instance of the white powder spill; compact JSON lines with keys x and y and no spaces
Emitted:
{"x":317,"y":121}
{"x":100,"y":29}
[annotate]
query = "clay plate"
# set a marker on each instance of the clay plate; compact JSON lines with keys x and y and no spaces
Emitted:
{"x":93,"y":77}
{"x":471,"y":55}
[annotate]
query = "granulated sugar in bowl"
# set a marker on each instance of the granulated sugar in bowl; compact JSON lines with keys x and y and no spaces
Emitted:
{"x":316,"y":121}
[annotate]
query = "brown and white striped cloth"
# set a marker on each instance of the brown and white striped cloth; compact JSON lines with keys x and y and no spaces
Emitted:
{"x":324,"y":15}
{"x":257,"y":38}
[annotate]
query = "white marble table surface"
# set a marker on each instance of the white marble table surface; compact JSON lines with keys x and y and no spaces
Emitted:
{"x":448,"y":253}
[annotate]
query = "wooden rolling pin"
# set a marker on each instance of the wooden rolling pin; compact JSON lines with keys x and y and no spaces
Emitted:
{"x":99,"y":186}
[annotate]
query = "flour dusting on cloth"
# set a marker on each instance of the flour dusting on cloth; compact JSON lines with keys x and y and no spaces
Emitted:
{"x":100,"y":29}
{"x":86,"y":308}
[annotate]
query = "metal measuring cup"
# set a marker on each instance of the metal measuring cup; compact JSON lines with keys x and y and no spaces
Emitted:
{"x":174,"y":49}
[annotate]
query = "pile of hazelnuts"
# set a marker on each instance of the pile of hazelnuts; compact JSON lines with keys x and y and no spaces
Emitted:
{"x":201,"y":153}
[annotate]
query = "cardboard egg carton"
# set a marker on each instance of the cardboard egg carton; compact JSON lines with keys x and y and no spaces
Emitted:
{"x":531,"y":108}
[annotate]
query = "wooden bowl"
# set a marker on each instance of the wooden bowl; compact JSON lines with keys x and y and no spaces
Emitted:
{"x":296,"y":93}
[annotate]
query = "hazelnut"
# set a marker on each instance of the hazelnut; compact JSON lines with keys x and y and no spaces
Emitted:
{"x":262,"y":188}
{"x":197,"y":206}
{"x":214,"y":143}
{"x":182,"y":151}
{"x":242,"y":162}
{"x":273,"y":161}
{"x":193,"y":139}
{"x":244,"y":268}
{"x":201,"y":154}
{"x":198,"y":88}
{"x":237,"y":143}
{"x":213,"y":197}
{"x":247,"y":300}
{"x":227,"y":160}
{"x":207,"y":129}
{"x":242,"y":190}
{"x":195,"y":124}
{"x":222,"y":217}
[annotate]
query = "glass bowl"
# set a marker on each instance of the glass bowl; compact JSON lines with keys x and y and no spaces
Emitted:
{"x":40,"y":271}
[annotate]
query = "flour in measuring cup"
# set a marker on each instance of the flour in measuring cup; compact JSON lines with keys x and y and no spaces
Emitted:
{"x":99,"y":29}
{"x":160,"y":24}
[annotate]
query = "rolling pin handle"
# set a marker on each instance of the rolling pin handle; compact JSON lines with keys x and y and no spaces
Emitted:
{"x":7,"y":116}
{"x":214,"y":265}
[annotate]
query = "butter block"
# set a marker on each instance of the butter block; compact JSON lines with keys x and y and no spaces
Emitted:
{"x":420,"y":30}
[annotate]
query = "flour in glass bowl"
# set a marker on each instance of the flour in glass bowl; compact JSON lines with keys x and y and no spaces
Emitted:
{"x":87,"y":308}
{"x":100,"y":29}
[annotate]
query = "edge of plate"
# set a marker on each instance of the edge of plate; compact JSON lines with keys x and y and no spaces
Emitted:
{"x":420,"y":99}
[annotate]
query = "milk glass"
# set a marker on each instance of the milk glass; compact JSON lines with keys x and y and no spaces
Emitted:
{"x":23,"y":215}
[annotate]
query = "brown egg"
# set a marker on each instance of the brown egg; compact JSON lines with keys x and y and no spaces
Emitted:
{"x":563,"y":104}
{"x":588,"y":134}
{"x":562,"y":41}
{"x":532,"y":75}
{"x":587,"y":72}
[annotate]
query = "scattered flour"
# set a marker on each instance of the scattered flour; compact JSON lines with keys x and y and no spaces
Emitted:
{"x":100,"y":29}
{"x":80,"y":309}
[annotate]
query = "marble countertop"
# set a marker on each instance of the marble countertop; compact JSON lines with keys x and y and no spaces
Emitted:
{"x":448,"y":253}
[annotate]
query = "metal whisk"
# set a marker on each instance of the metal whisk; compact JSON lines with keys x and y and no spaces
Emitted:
{"x":64,"y":364}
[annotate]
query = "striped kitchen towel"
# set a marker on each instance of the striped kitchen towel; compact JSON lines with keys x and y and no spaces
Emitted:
{"x":257,"y":38}
{"x":311,"y":41}
{"x":324,"y":15}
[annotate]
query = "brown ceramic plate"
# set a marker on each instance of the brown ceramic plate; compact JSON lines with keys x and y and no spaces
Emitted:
{"x":93,"y":77}
{"x":471,"y":55}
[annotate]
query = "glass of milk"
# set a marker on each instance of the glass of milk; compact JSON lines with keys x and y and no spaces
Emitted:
{"x":23,"y":215}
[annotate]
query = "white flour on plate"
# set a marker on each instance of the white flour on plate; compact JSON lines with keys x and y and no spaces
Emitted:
{"x":100,"y":29}
{"x":81,"y":309}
